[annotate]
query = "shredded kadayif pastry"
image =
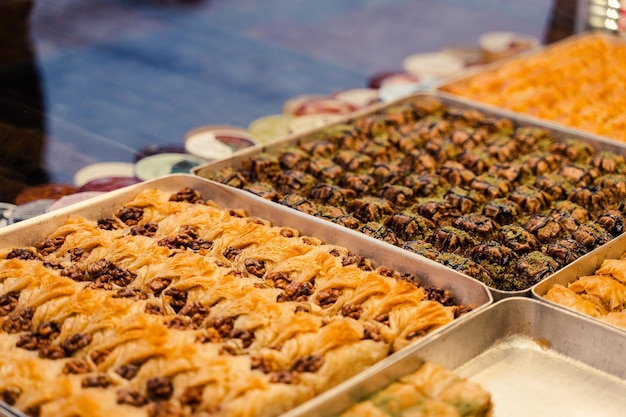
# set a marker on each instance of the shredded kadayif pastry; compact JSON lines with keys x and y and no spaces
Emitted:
{"x":575,"y":83}
{"x":175,"y":307}
{"x":432,"y":390}
{"x":601,"y":295}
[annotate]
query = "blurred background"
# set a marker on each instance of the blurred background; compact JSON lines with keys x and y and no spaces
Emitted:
{"x":88,"y":81}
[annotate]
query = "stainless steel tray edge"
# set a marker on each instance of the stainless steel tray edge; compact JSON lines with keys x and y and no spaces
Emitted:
{"x":8,"y":411}
{"x":601,"y":348}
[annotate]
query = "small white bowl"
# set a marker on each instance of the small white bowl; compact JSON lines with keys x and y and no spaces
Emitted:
{"x":433,"y":66}
{"x":218,"y":142}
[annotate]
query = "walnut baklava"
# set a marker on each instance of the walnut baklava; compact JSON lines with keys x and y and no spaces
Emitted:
{"x":172,"y":306}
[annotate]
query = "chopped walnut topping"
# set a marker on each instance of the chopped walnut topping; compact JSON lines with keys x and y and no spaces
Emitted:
{"x":78,"y":254}
{"x":8,"y":302}
{"x":29,"y":341}
{"x":262,"y":364}
{"x":154,"y":309}
{"x":76,"y":366}
{"x":296,"y":291}
{"x":106,"y":271}
{"x":387,"y":272}
{"x":159,"y":388}
{"x":157,"y":285}
{"x":99,"y":355}
{"x":50,"y":245}
{"x":196,"y":311}
{"x":52,"y":352}
{"x":106,"y":286}
{"x":129,"y":370}
{"x":382,"y":318}
{"x":108,"y":223}
{"x":180,"y":323}
{"x":149,"y":229}
{"x":285,"y":377}
{"x":132,"y":397}
{"x":351,"y":259}
{"x":461,"y":309}
{"x":22,"y":254}
{"x":288,"y":232}
{"x":102,"y":271}
{"x":302,"y":309}
{"x":164,"y":409}
{"x":96,"y":381}
{"x":188,"y":195}
{"x":19,"y":320}
{"x":279,"y":279}
{"x":440,"y":295}
{"x":187,"y":238}
{"x":246,"y":336}
{"x":211,"y":336}
{"x":255,"y":266}
{"x":231,"y":253}
{"x":352,"y":310}
{"x":223,"y":325}
{"x":132,"y":293}
{"x":74,"y":272}
{"x":76,"y":342}
{"x":33,"y":411}
{"x":311,"y":363}
{"x":46,"y":331}
{"x":192,"y":396}
{"x":130,"y":215}
{"x":328,"y":297}
{"x":52,"y":265}
{"x":175,"y":298}
{"x":361,"y":262}
{"x":370,"y":332}
{"x":10,"y":395}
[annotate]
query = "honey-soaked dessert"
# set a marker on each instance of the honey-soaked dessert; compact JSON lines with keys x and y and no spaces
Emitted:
{"x":573,"y":83}
{"x":601,"y":294}
{"x":171,"y":306}
{"x":432,"y":390}
{"x":505,"y":203}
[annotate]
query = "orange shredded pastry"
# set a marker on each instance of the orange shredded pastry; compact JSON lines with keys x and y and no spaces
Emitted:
{"x":576,"y":83}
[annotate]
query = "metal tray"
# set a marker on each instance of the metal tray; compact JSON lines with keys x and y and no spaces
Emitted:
{"x":466,"y":290}
{"x":557,"y":131}
{"x":535,"y":359}
{"x":8,"y":411}
{"x":585,"y":265}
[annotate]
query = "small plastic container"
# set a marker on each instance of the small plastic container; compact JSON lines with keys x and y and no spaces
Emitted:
{"x":218,"y":142}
